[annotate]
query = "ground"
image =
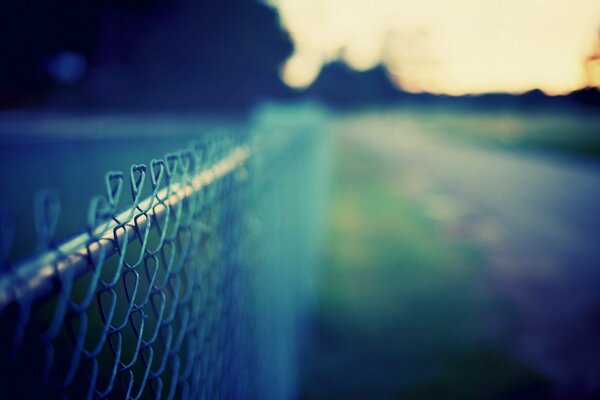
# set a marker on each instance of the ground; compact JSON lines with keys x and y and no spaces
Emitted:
{"x":461,"y":248}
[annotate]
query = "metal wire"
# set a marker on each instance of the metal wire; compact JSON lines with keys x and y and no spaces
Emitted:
{"x":198,"y":288}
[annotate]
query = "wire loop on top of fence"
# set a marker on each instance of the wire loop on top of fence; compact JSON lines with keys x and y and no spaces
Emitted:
{"x":194,"y":289}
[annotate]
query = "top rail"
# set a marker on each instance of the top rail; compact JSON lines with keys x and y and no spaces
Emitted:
{"x":35,"y":278}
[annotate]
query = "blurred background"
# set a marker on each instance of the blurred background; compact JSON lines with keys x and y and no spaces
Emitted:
{"x":462,"y":256}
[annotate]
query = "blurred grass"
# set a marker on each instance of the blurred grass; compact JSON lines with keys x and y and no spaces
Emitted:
{"x":567,"y":132}
{"x":403,"y":308}
{"x":481,"y":375}
{"x":379,"y":234}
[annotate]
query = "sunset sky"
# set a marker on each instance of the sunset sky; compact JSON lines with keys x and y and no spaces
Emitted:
{"x":441,"y":46}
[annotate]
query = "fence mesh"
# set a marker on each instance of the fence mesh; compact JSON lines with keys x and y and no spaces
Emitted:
{"x":198,"y":285}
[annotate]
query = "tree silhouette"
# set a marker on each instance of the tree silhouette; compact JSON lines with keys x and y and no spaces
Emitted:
{"x":181,"y":54}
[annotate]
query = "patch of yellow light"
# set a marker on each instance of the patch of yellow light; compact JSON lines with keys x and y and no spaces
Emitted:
{"x":440,"y":46}
{"x":593,"y":73}
{"x":301,"y":70}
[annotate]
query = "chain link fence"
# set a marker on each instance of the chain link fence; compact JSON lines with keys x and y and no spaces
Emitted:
{"x":193,"y":277}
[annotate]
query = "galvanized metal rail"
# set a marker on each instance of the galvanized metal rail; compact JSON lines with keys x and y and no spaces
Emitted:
{"x":36,"y":278}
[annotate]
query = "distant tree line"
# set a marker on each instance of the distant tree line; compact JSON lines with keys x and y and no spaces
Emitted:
{"x":185,"y":55}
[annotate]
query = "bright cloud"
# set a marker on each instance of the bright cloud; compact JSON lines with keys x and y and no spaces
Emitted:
{"x":441,"y":46}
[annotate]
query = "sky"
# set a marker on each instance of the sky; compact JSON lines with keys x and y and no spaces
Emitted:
{"x":453,"y":47}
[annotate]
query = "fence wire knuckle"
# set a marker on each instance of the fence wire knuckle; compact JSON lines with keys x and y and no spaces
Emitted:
{"x":166,"y":292}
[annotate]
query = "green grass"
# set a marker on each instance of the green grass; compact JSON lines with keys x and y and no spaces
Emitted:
{"x":565,"y":132}
{"x":386,"y":240}
{"x":403,"y":310}
{"x":480,"y":375}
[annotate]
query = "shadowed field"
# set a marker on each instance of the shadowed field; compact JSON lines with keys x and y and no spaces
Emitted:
{"x":460,"y":265}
